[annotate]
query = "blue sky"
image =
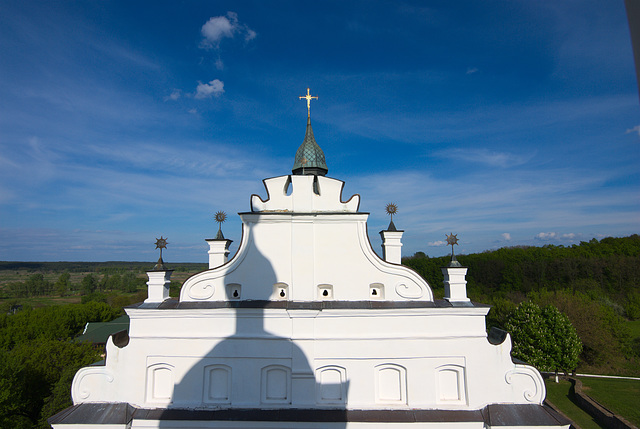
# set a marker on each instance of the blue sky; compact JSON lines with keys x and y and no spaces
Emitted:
{"x":505,"y":122}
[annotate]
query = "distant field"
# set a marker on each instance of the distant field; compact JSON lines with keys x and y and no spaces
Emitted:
{"x":13,"y":272}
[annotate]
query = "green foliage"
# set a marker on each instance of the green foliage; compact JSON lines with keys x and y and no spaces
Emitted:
{"x":607,"y":342}
{"x":55,"y":322}
{"x":632,"y":306}
{"x":38,"y":360}
{"x":544,"y":337}
{"x":595,"y":283}
{"x":609,"y":267}
{"x":63,"y":284}
{"x":89,"y":284}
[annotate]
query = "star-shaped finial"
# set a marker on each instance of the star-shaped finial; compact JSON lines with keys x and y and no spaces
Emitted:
{"x":220,"y":218}
{"x":161,"y":243}
{"x":391,"y":210}
{"x":452,"y":239}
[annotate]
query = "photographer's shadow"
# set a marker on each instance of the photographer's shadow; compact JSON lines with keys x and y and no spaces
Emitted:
{"x":254,"y":374}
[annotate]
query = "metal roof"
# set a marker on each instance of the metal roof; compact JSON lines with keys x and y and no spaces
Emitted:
{"x":309,"y":157}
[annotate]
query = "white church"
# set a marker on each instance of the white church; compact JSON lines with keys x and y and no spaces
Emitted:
{"x":307,"y":327}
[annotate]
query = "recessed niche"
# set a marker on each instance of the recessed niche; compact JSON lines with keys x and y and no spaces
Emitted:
{"x":217,"y":385}
{"x":391,"y":384}
{"x":276,"y":385}
{"x":451,"y":384}
{"x":234,"y":291}
{"x":331,"y":385}
{"x":376,"y":291}
{"x":325,"y":292}
{"x":160,"y":383}
{"x":281,"y":291}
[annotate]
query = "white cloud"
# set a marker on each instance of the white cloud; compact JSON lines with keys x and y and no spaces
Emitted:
{"x":546,"y":236}
{"x":220,"y":27}
{"x":506,"y":236}
{"x":175,"y":94}
{"x":437,"y":243}
{"x":472,"y":70}
{"x":569,"y":236}
{"x":207,"y":90}
{"x":635,"y":129}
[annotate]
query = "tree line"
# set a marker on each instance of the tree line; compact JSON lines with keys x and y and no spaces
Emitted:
{"x":595,"y":284}
{"x":109,"y":267}
{"x":38,"y":285}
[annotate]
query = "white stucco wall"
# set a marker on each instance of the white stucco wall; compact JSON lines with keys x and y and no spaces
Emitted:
{"x":321,"y":322}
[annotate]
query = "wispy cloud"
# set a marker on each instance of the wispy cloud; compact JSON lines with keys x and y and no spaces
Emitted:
{"x":175,"y":94}
{"x":635,"y":129}
{"x":485,"y":156}
{"x":472,"y":70}
{"x":506,"y":236}
{"x":436,"y":243}
{"x":556,"y":237}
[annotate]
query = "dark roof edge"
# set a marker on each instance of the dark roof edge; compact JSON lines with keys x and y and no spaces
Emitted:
{"x":493,"y":414}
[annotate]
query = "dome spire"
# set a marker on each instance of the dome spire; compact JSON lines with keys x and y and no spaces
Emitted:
{"x":309,"y":157}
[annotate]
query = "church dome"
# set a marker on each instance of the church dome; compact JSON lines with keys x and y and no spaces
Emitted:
{"x":309,"y":157}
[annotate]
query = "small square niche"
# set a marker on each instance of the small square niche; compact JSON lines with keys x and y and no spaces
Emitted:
{"x":281,"y":291}
{"x":376,"y":291}
{"x":325,"y":292}
{"x":234,"y":291}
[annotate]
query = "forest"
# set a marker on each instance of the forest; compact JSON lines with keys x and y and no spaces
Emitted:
{"x":595,"y":284}
{"x":583,"y":300}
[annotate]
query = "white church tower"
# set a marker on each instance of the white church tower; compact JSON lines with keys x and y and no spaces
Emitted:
{"x":307,"y":327}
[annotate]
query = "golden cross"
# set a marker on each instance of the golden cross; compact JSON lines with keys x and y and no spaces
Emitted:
{"x":308,"y":97}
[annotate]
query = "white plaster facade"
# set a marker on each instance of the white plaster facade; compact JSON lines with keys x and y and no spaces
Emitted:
{"x":307,"y":327}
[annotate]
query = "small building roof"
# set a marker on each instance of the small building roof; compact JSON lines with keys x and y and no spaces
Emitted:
{"x":99,"y":332}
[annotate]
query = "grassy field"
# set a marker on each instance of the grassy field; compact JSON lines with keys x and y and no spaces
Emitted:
{"x":619,"y":396}
{"x":634,"y":327}
{"x":558,"y":395}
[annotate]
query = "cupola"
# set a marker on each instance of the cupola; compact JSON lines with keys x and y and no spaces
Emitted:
{"x":309,"y":157}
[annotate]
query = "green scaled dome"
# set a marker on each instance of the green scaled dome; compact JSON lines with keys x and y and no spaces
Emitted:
{"x":309,"y":157}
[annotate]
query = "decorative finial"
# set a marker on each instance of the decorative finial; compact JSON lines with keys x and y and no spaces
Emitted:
{"x":308,"y":97}
{"x":220,"y":218}
{"x":391,"y":210}
{"x":161,"y":243}
{"x":451,"y":240}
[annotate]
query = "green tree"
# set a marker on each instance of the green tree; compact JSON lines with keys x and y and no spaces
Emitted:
{"x":37,"y":285}
{"x":38,"y":360}
{"x":544,"y":337}
{"x":63,"y":284}
{"x":114,"y":282}
{"x":89,"y":284}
